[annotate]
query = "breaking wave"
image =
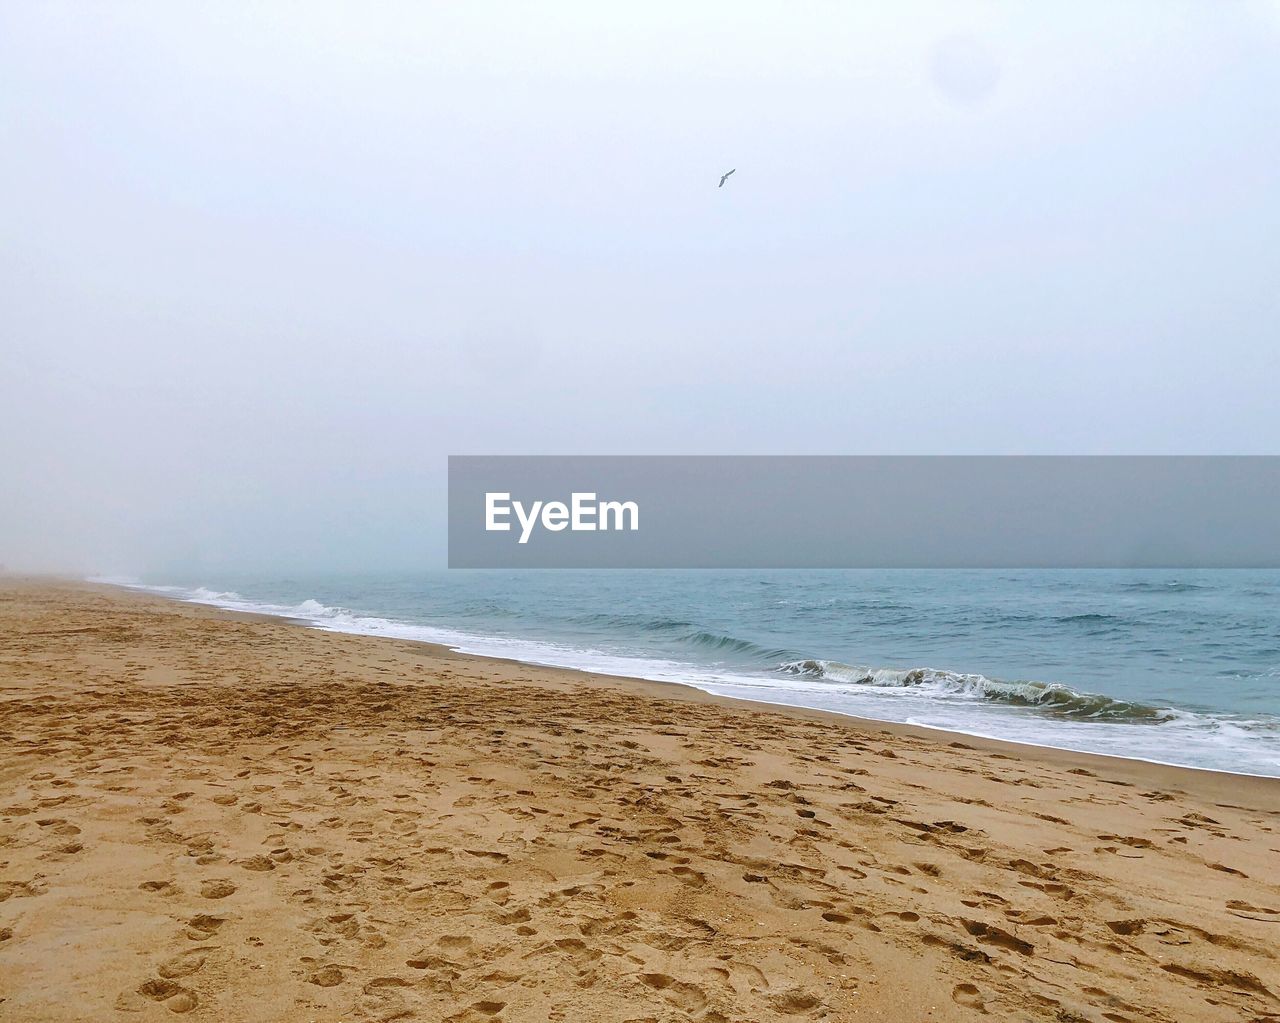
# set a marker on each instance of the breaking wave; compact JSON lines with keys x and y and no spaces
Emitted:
{"x":1053,"y":697}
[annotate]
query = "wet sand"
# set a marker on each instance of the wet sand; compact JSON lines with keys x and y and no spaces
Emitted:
{"x":234,"y":818}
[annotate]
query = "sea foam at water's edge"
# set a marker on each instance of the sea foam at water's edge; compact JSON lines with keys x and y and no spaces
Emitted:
{"x":1030,"y":712}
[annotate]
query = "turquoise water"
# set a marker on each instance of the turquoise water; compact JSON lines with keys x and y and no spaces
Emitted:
{"x":1177,"y":667}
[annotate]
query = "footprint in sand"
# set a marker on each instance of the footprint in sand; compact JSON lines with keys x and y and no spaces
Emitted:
{"x":688,"y":997}
{"x":184,"y":963}
{"x":795,"y":1001}
{"x":175,"y":997}
{"x":689,"y":876}
{"x":969,"y":996}
{"x":326,"y":976}
{"x":991,"y":935}
{"x":384,"y":999}
{"x":59,"y":826}
{"x":217,"y":888}
{"x":202,"y":925}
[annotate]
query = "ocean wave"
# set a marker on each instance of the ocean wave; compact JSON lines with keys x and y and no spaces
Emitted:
{"x":1173,"y":586}
{"x":716,"y":642}
{"x":691,"y":634}
{"x":309,"y":608}
{"x":206,"y":596}
{"x":1052,"y":697}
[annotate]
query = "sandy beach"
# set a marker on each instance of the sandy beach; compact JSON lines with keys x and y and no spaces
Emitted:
{"x":235,"y":818}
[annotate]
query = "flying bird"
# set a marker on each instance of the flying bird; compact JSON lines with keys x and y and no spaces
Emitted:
{"x":725,"y":177}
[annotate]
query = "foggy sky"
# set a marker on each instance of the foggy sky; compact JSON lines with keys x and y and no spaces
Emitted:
{"x":263,"y":266}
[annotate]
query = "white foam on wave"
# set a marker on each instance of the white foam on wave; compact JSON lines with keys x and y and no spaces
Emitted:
{"x":1049,"y":697}
{"x":938,"y":700}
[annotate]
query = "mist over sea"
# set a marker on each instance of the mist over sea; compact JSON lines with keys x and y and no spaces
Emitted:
{"x":1178,"y":667}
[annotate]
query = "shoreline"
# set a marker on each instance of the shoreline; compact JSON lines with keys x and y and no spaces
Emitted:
{"x":221,"y":815}
{"x":1048,"y":753}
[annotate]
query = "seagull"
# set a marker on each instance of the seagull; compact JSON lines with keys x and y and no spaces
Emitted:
{"x":724,"y":177}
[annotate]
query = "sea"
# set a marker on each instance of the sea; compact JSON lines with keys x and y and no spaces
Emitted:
{"x":1175,"y":667}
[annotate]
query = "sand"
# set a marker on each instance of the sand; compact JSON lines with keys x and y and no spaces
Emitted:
{"x":232,"y":818}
